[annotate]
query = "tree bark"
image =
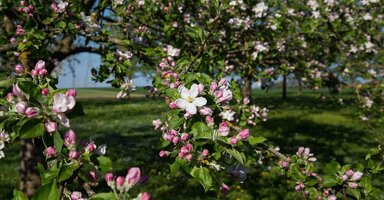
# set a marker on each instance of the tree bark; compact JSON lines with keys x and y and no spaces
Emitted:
{"x":246,"y":90}
{"x":31,"y":154}
{"x":284,"y":87}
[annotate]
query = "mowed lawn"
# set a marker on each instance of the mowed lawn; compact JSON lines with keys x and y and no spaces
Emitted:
{"x":332,"y":130}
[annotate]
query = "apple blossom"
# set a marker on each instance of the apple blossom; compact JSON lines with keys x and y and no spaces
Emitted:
{"x":145,"y":196}
{"x":90,"y":147}
{"x":120,"y":182}
{"x":19,"y":68}
{"x":31,"y":112}
{"x":75,"y":195}
{"x":189,"y":100}
{"x":209,"y":120}
{"x":17,"y":91}
{"x":225,"y":188}
{"x":133,"y":176}
{"x":184,"y":137}
{"x":224,"y":129}
{"x":205,"y":152}
{"x":244,"y":134}
{"x":49,"y":152}
{"x":206,"y":111}
{"x":232,"y":140}
{"x":21,"y":107}
{"x":74,"y":154}
{"x":93,"y":175}
{"x":109,"y":179}
{"x":70,"y":138}
{"x":63,"y":103}
{"x":156,"y":123}
{"x":356,"y":176}
{"x":227,"y":115}
{"x":163,"y":153}
{"x":51,"y":127}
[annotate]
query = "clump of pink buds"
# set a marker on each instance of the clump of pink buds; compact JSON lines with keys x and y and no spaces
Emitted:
{"x":50,"y":152}
{"x":39,"y":69}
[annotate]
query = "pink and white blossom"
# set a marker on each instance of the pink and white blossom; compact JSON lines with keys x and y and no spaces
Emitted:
{"x":189,"y":100}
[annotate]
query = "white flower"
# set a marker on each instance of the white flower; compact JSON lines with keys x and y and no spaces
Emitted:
{"x":189,"y":100}
{"x":1,"y":147}
{"x":367,"y":17}
{"x":63,"y":103}
{"x":171,"y":51}
{"x":315,"y":14}
{"x":62,"y":6}
{"x":227,"y":115}
{"x":4,"y":136}
{"x":260,"y":9}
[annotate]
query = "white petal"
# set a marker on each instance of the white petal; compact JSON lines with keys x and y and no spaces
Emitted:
{"x":191,"y":108}
{"x":184,"y":93}
{"x":194,"y":90}
{"x":181,"y":103}
{"x":200,"y":101}
{"x":1,"y":145}
{"x":71,"y":102}
{"x":2,"y":154}
{"x":63,"y":120}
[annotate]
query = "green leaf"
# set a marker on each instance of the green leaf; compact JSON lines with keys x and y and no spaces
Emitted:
{"x":103,"y":196}
{"x":48,"y":191}
{"x":47,"y":176}
{"x":175,"y":122}
{"x":174,"y":167}
{"x":332,"y":168}
{"x":58,"y":141}
{"x":29,"y":88}
{"x":66,"y":170}
{"x":256,"y":140}
{"x":329,"y":181}
{"x":105,"y":164}
{"x":201,"y":131}
{"x":17,"y":195}
{"x":236,"y":154}
{"x":201,"y":174}
{"x":31,"y":129}
{"x":375,"y":193}
{"x":353,"y":192}
{"x":366,"y":183}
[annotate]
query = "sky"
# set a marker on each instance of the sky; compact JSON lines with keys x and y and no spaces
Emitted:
{"x":80,"y":77}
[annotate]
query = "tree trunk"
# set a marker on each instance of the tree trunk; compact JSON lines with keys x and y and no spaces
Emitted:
{"x":246,"y":90}
{"x":300,"y":85}
{"x":31,"y":154}
{"x":284,"y":87}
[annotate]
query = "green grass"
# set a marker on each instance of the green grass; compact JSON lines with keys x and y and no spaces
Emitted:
{"x":331,"y":130}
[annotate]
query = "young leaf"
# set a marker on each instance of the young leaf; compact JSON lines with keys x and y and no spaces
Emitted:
{"x":48,"y":191}
{"x":31,"y":129}
{"x":201,"y":174}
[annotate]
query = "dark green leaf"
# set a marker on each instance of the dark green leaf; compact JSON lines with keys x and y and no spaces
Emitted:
{"x":31,"y":129}
{"x":332,"y":168}
{"x":201,"y":174}
{"x":201,"y":130}
{"x":66,"y":170}
{"x":329,"y":181}
{"x":48,"y":191}
{"x":105,"y":164}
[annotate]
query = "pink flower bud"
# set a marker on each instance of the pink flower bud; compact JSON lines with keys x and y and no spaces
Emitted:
{"x":40,"y":65}
{"x":173,"y":105}
{"x":49,"y":152}
{"x":232,"y":140}
{"x":45,"y":91}
{"x":93,"y":176}
{"x":349,"y":172}
{"x":175,"y":140}
{"x":43,"y":72}
{"x":9,"y":97}
{"x":19,"y":69}
{"x":184,"y":150}
{"x":51,"y":127}
{"x":213,"y":86}
{"x":224,"y":129}
{"x":22,"y":3}
{"x":222,"y":81}
{"x":244,"y":134}
{"x":109,"y":179}
{"x":54,"y":7}
{"x":78,"y":26}
{"x":76,"y":195}
{"x":205,"y":152}
{"x":352,"y":185}
{"x":31,"y":112}
{"x":74,"y":154}
{"x":332,"y":197}
{"x":206,"y":111}
{"x":184,"y":137}
{"x":21,"y":107}
{"x":344,"y":177}
{"x":69,"y":138}
{"x":300,"y":151}
{"x":200,"y":88}
{"x":145,"y":196}
{"x":90,"y":147}
{"x":34,"y":72}
{"x":209,"y":120}
{"x":120,"y":182}
{"x":164,"y":153}
{"x":71,"y":92}
{"x":299,"y":187}
{"x":188,"y":157}
{"x":133,"y":176}
{"x":225,"y":188}
{"x":17,"y":91}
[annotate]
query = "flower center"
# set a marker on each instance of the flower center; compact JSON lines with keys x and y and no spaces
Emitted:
{"x":190,"y":99}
